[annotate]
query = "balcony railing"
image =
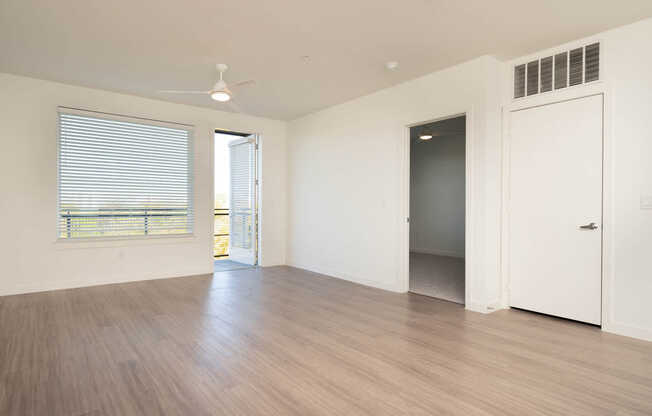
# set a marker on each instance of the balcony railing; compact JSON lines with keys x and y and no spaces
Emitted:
{"x":221,"y":233}
{"x":139,"y":221}
{"x":122,"y":221}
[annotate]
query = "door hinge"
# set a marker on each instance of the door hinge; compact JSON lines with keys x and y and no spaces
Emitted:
{"x":407,"y":219}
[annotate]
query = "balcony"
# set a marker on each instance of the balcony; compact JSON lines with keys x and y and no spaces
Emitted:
{"x":221,"y":233}
{"x":79,"y":223}
{"x":116,"y":222}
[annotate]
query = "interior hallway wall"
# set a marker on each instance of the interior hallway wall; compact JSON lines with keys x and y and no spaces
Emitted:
{"x":347,"y":196}
{"x":437,"y":195}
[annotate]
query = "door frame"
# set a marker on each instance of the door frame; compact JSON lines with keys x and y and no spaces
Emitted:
{"x":598,"y":88}
{"x":469,"y":228}
{"x":257,"y":189}
{"x":251,"y":139}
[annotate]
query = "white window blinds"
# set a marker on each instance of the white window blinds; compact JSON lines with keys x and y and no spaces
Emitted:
{"x":242,"y":192}
{"x":120,"y":176}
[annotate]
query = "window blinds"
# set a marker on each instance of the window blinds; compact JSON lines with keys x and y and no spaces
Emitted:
{"x":120,"y":176}
{"x":242,"y":161}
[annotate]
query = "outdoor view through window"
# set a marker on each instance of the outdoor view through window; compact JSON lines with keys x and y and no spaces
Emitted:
{"x":222,"y":190}
{"x":122,"y":176}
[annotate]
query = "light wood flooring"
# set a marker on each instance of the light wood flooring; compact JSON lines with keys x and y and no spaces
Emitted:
{"x":227,"y":265}
{"x":283,"y":341}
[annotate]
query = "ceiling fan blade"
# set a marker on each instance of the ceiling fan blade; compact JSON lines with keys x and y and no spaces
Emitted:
{"x":244,"y":83}
{"x":182,"y":92}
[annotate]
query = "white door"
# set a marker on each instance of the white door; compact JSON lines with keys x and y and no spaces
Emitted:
{"x":242,"y":208}
{"x":555,"y":209}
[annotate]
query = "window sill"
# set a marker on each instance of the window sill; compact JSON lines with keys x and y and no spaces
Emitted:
{"x":127,"y":241}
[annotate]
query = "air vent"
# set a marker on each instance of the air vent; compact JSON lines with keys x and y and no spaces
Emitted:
{"x":575,"y":67}
{"x":533,"y":78}
{"x":592,"y":63}
{"x":546,"y":74}
{"x":519,"y":81}
{"x":576,"y":63}
{"x":561,"y":70}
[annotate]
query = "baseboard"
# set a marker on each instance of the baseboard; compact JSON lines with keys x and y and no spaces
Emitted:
{"x":436,"y":252}
{"x":482,"y":307}
{"x":628,"y":331}
{"x":24,"y":289}
{"x":349,"y":278}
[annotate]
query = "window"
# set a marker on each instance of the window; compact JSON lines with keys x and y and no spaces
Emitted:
{"x":122,"y":176}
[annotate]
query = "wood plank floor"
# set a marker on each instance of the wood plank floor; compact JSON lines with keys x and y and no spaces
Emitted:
{"x":282,"y":341}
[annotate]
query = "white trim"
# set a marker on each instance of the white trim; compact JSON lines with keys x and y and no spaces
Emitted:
{"x":628,"y":331}
{"x":403,"y":280}
{"x":608,"y":211}
{"x":482,"y":308}
{"x":258,"y":192}
{"x":122,"y":241}
{"x":582,"y":91}
{"x":31,"y":287}
{"x":257,"y":140}
{"x":328,"y":272}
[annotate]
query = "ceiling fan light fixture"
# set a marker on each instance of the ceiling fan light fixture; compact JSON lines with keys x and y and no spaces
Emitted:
{"x":425,"y":137}
{"x":221,"y":95}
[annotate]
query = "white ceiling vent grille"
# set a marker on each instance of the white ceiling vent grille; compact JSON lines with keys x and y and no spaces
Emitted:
{"x":546,"y":74}
{"x":576,"y":63}
{"x":561,"y":70}
{"x":532,"y":78}
{"x":592,"y":63}
{"x":519,"y":81}
{"x":575,"y":67}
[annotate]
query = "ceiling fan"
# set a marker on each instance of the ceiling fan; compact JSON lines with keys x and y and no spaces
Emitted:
{"x":220,"y":92}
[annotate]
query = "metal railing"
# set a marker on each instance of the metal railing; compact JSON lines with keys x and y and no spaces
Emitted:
{"x":147,"y":214}
{"x":75,"y":221}
{"x":217,"y":213}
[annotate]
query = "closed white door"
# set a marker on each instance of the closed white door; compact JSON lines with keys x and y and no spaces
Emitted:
{"x":242,"y":209}
{"x":555,"y":209}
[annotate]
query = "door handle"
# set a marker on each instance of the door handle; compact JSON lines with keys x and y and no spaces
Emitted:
{"x":589,"y":226}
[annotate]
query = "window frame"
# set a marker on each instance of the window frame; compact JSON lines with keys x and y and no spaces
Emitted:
{"x":118,"y":239}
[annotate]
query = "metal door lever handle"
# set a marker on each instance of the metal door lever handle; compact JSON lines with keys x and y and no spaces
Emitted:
{"x":589,"y":226}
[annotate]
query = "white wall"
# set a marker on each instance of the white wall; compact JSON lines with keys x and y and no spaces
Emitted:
{"x":344,"y":189}
{"x":629,"y":72}
{"x":437,"y":195}
{"x":30,"y":257}
{"x":347,"y":195}
{"x":627,"y":82}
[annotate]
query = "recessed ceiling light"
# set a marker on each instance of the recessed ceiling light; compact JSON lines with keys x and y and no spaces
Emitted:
{"x":425,"y":137}
{"x":391,"y":65}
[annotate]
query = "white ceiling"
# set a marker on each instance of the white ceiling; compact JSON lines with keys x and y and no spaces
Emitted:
{"x":139,"y":47}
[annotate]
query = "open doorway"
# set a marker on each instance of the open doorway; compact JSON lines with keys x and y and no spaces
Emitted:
{"x":235,"y":213}
{"x":437,"y":209}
